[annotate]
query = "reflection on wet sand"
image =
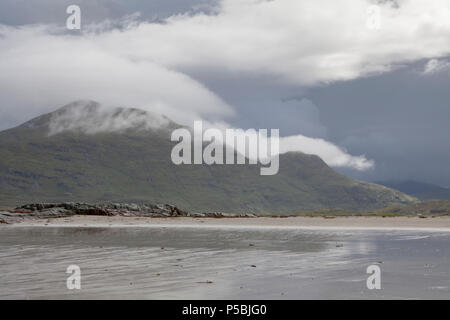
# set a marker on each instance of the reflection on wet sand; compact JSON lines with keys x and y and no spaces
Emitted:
{"x":213,"y":263}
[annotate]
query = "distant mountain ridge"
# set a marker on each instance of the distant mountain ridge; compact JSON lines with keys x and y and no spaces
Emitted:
{"x":129,"y":160}
{"x":420,"y":190}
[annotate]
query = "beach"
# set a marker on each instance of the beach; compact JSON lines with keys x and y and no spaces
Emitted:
{"x":227,"y":258}
{"x":441,"y":223}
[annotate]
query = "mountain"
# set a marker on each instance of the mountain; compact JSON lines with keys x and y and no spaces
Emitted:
{"x":84,"y":152}
{"x":420,"y":190}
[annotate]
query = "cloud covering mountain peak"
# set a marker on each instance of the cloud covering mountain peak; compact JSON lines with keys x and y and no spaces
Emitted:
{"x":90,"y":117}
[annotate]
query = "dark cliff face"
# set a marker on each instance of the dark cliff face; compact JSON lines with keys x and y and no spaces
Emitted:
{"x":132,"y":163}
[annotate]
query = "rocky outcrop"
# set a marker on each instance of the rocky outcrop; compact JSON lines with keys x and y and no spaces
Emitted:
{"x":66,"y":209}
{"x":7,"y":217}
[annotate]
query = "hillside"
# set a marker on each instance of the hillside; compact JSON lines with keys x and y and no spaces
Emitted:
{"x":420,"y":190}
{"x":133,"y":164}
{"x":434,"y":207}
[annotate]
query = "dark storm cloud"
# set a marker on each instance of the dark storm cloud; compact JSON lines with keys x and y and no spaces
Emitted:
{"x":399,"y":119}
{"x":263,"y":102}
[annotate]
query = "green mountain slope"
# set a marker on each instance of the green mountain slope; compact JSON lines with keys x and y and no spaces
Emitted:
{"x":135,"y":165}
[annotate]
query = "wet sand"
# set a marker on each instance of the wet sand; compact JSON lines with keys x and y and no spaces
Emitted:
{"x":215,"y":262}
{"x":400,"y":223}
{"x":226,"y":258}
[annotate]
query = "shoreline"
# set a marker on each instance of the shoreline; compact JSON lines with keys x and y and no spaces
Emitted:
{"x":441,"y":224}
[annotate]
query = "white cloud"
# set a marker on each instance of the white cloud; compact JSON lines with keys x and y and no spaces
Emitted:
{"x":436,"y":66}
{"x":301,"y":42}
{"x":330,"y":153}
{"x":41,"y":71}
{"x":90,"y":117}
{"x":147,"y":65}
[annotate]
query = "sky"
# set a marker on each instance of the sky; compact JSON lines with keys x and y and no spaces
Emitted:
{"x":364,"y":84}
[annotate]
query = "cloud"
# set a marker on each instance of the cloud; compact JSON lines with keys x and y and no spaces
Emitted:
{"x":301,"y":42}
{"x":150,"y":65}
{"x":41,"y":70}
{"x":330,"y":153}
{"x":90,"y":117}
{"x":436,"y":66}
